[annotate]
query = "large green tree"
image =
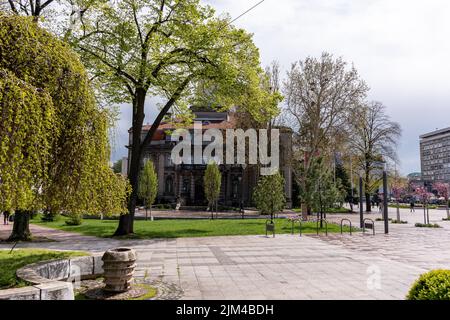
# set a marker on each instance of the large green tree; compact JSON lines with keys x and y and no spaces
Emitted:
{"x":52,"y":132}
{"x":173,"y":49}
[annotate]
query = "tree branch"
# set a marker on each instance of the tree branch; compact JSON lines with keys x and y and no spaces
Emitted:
{"x":13,"y":7}
{"x":176,"y":95}
{"x":117,"y":69}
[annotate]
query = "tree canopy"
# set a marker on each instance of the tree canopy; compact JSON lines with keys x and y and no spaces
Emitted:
{"x":148,"y":184}
{"x":173,"y":49}
{"x":269,"y":194}
{"x":62,"y":140}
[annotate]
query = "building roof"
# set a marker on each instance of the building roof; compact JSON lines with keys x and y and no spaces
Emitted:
{"x":228,"y":123}
{"x":435,"y":133}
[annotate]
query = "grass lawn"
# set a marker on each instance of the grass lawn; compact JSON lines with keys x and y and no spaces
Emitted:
{"x":184,"y":228}
{"x":10,"y":262}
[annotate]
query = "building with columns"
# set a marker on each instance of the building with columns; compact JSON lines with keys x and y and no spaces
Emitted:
{"x":183,"y":183}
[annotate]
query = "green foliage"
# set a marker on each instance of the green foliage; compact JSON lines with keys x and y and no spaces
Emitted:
{"x":427,"y":225}
{"x":60,"y":149}
{"x":342,"y":175}
{"x":18,"y":258}
{"x":399,"y":221}
{"x":433,"y":285}
{"x":148,"y":184}
{"x":117,"y":166}
{"x":212,"y":181}
{"x":161,"y":48}
{"x":269,"y":194}
{"x":26,"y":131}
{"x":74,"y":219}
{"x":318,"y":189}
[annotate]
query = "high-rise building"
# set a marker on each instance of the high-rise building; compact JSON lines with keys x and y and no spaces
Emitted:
{"x":435,"y":156}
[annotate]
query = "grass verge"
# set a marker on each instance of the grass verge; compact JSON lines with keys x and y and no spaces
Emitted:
{"x":180,"y":228}
{"x":18,"y":258}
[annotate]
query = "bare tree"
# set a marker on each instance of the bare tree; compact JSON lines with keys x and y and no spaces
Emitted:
{"x":320,"y":95}
{"x":374,"y":139}
{"x":57,"y":16}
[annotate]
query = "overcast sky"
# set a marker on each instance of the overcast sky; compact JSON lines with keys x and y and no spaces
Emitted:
{"x":401,"y":48}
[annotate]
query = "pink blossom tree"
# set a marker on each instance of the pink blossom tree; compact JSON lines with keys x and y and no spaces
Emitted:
{"x":443,"y":191}
{"x":425,"y":196}
{"x":398,"y":191}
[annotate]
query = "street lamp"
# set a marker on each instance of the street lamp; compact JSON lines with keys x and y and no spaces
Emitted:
{"x":385,"y":200}
{"x":240,"y":197}
{"x":361,"y":214}
{"x":241,"y":205}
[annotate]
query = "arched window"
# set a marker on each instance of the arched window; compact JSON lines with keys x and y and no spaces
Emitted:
{"x":169,"y":185}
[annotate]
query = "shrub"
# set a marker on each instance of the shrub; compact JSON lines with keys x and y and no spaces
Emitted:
{"x":427,"y":225}
{"x":399,"y":222}
{"x":433,"y":285}
{"x":74,"y":220}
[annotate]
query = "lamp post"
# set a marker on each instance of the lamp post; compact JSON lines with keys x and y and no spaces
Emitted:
{"x":240,"y":197}
{"x":361,"y":215}
{"x":385,"y":201}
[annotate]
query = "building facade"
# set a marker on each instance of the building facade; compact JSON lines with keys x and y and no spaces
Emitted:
{"x":183,"y":183}
{"x":435,"y":157}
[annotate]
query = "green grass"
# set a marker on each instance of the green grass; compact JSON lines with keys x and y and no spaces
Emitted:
{"x":18,"y":258}
{"x":184,"y":228}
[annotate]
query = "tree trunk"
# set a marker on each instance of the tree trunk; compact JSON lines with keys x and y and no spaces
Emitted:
{"x":448,"y":211}
{"x":304,"y":211}
{"x":398,"y":212}
{"x":366,"y":188}
{"x":211,"y":208}
{"x":424,"y":213}
{"x":21,"y":227}
{"x":126,"y":221}
{"x":368,"y":203}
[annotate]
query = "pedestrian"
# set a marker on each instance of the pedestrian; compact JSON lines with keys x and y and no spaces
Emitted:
{"x":6,"y":215}
{"x":411,"y":206}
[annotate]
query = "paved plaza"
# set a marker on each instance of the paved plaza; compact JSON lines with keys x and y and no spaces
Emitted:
{"x":285,"y":267}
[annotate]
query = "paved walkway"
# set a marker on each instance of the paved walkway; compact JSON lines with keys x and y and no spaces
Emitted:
{"x":285,"y":267}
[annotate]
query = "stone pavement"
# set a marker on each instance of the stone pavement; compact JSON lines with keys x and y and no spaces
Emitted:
{"x":285,"y":267}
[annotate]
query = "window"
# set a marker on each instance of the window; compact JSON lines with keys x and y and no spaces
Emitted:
{"x":168,"y":188}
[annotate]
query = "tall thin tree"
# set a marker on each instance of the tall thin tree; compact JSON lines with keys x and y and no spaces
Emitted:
{"x":374,"y":138}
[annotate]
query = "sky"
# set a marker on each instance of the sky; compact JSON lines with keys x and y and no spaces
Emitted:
{"x":401,"y":48}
